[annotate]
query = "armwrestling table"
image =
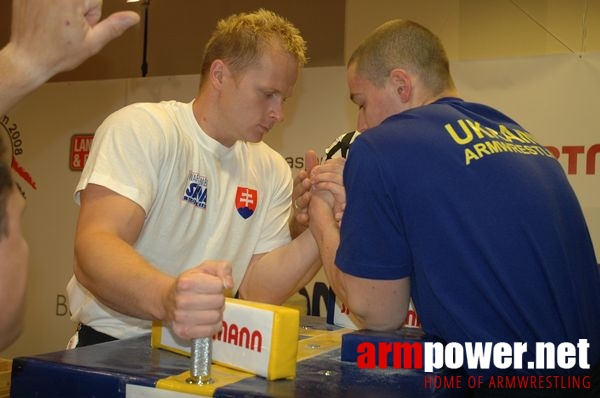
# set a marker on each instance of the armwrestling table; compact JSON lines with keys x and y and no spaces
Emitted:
{"x":131,"y":368}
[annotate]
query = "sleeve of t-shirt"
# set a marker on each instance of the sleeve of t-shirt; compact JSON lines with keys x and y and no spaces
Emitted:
{"x":124,"y":157}
{"x":372,"y":240}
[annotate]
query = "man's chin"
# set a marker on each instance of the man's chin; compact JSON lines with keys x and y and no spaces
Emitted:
{"x":255,"y":138}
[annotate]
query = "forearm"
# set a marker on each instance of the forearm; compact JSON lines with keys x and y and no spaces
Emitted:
{"x":120,"y":278}
{"x":383,"y":310}
{"x":277,"y":275}
{"x":325,"y":230}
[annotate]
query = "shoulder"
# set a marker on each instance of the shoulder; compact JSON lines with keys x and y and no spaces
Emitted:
{"x":144,"y":112}
{"x":144,"y":121}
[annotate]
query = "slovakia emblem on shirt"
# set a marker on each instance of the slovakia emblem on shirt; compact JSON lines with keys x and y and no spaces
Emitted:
{"x":246,"y":200}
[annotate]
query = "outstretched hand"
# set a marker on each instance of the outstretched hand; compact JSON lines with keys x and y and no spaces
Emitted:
{"x":52,"y":36}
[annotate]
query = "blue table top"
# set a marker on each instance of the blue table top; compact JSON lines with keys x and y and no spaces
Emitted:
{"x":105,"y":369}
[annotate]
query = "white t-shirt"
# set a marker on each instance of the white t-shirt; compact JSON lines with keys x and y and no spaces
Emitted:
{"x":202,"y":200}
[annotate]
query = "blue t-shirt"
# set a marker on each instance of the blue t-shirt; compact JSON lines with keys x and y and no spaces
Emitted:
{"x":481,"y":217}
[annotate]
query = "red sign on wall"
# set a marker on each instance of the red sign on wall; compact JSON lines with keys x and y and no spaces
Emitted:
{"x":80,"y":149}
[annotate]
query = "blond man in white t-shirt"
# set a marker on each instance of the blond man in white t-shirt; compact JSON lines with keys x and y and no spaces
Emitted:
{"x":182,"y":202}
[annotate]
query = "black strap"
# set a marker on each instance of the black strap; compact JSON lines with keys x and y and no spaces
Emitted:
{"x":343,"y":145}
{"x":346,"y":143}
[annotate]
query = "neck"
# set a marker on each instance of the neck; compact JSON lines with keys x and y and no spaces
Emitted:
{"x":208,"y":119}
{"x":446,"y":93}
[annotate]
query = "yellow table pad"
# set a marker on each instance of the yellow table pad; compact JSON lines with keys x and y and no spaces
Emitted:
{"x":221,"y":375}
{"x":318,"y":342}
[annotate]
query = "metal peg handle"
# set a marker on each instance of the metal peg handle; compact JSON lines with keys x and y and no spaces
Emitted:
{"x":201,"y":358}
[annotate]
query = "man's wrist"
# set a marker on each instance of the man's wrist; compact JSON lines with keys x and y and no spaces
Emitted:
{"x":24,"y":75}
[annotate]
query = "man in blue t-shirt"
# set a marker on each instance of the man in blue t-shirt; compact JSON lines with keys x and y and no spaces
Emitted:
{"x":460,"y":207}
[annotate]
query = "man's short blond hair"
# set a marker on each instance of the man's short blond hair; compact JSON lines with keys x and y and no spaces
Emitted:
{"x":240,"y":40}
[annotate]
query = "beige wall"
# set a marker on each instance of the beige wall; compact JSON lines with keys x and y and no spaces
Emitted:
{"x":484,"y":29}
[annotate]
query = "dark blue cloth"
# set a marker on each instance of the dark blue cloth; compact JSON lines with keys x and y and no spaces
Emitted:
{"x":481,"y":217}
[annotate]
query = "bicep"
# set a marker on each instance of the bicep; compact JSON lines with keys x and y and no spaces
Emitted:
{"x":104,"y":211}
{"x":379,"y":304}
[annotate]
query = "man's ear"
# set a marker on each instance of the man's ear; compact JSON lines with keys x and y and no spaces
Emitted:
{"x":402,"y":83}
{"x":217,"y":72}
